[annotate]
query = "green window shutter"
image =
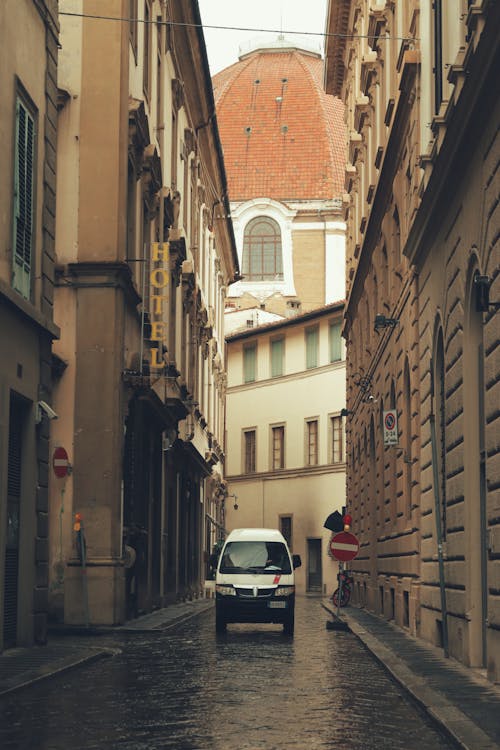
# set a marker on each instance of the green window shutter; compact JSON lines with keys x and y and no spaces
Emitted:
{"x":23,"y":200}
{"x":312,"y":340}
{"x":335,"y":342}
{"x":277,"y":351}
{"x":249,"y":363}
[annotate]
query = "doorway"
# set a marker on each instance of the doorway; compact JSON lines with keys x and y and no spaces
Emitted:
{"x":11,"y":570}
{"x":314,"y":568}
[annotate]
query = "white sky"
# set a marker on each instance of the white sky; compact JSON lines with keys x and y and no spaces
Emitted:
{"x":286,"y":15}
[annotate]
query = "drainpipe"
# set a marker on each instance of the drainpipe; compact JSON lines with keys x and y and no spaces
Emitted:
{"x":437,"y":513}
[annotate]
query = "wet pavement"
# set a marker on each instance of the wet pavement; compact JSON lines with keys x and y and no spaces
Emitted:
{"x":252,"y":688}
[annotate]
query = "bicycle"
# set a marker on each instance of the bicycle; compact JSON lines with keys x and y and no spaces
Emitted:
{"x":346,"y":580}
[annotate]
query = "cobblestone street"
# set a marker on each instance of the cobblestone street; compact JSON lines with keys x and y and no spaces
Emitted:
{"x":252,"y":688}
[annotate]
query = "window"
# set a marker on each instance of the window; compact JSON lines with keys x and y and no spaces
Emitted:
{"x":337,"y":440}
{"x":24,"y":181}
{"x":133,"y":26}
{"x":312,"y":442}
{"x":312,"y":345}
{"x":262,"y":252}
{"x":146,"y":72}
{"x":159,"y":82}
{"x":277,"y":357}
{"x":438,"y":54}
{"x":249,"y":451}
{"x":249,"y":363}
{"x":335,"y":341}
{"x":286,"y":529}
{"x":278,"y":447}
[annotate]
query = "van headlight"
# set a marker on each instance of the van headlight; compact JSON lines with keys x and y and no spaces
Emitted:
{"x":225,"y":590}
{"x":284,"y":591}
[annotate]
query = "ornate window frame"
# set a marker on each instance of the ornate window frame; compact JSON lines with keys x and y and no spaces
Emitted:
{"x":283,"y":216}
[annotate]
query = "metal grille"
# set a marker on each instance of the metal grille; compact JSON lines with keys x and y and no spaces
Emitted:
{"x":250,"y":592}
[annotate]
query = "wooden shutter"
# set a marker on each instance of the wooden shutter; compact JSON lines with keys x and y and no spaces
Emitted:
{"x":312,"y":348}
{"x":335,"y":342}
{"x":277,"y":348}
{"x":249,"y":361}
{"x":23,"y":200}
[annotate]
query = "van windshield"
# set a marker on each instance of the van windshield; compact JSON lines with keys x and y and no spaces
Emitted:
{"x":255,"y":557}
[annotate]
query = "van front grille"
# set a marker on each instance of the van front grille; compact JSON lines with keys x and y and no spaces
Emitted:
{"x":253,"y":592}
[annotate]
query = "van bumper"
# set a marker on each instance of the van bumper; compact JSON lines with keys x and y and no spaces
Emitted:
{"x":258,"y":609}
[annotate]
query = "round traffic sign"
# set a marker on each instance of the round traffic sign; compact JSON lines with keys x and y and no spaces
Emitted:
{"x":60,"y":462}
{"x":390,"y":420}
{"x":344,"y":546}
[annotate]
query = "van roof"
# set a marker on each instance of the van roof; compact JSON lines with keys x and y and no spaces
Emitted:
{"x":252,"y":535}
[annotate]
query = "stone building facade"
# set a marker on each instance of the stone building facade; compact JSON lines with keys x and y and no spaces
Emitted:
{"x":145,"y":252}
{"x":421,"y":204}
{"x":28,"y":119}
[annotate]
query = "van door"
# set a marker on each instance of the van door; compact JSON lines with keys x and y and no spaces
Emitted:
{"x":314,"y":568}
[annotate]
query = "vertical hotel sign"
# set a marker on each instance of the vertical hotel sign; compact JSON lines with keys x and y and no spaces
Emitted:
{"x":159,"y":283}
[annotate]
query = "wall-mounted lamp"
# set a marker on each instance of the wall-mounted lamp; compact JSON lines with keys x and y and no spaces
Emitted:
{"x":382,"y":322}
{"x":345,"y":413}
{"x":482,"y":285}
{"x":231,"y":494}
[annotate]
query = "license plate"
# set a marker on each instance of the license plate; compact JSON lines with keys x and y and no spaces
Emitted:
{"x":277,"y":605}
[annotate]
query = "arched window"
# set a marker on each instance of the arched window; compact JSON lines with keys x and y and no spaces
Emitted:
{"x":262,"y":255}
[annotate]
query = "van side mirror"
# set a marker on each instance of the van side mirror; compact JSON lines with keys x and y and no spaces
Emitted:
{"x":213,"y":559}
{"x":297,"y":562}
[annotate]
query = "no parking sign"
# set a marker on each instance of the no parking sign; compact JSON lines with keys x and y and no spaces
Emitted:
{"x":390,"y":419}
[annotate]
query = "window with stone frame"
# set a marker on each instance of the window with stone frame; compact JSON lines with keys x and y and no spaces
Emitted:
{"x":278,"y":447}
{"x":312,"y":347}
{"x":336,"y":440}
{"x":277,"y":347}
{"x":24,"y":197}
{"x":250,"y":363}
{"x":335,"y":340}
{"x":311,"y":442}
{"x":249,"y":444}
{"x":262,"y":250}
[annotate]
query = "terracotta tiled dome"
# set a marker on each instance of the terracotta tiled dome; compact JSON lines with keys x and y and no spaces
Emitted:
{"x":282,"y":135}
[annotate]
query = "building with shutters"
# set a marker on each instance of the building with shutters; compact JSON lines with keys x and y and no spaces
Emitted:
{"x":28,"y":115}
{"x":419,"y":82}
{"x":285,"y":439}
{"x":283,"y":149}
{"x":145,"y":252}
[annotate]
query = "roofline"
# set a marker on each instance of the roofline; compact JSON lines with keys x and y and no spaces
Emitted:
{"x":319,"y":312}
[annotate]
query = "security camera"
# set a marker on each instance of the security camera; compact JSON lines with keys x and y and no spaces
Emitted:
{"x":42,"y":406}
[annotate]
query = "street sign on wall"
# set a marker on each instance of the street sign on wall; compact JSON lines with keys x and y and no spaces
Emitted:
{"x":60,"y":462}
{"x":344,"y":546}
{"x":390,"y":420}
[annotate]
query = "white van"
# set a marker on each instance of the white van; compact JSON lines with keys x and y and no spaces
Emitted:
{"x":254,"y":580}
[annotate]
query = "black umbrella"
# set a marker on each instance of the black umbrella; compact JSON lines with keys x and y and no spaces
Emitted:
{"x":334,"y":522}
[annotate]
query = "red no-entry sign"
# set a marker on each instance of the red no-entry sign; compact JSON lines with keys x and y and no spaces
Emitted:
{"x":344,"y":546}
{"x":60,"y":462}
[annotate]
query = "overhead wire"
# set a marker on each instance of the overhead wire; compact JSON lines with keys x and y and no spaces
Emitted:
{"x":154,"y":22}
